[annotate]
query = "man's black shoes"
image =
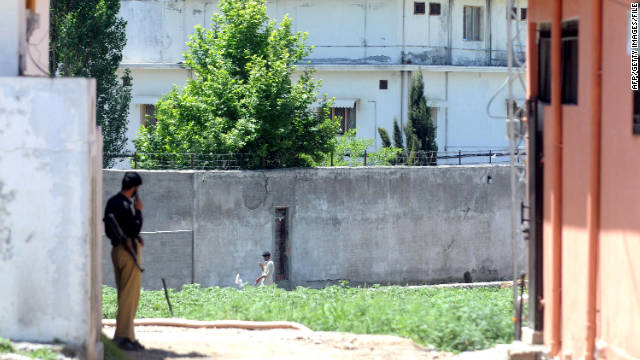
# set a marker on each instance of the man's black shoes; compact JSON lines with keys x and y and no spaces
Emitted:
{"x":138,"y":346}
{"x":128,"y":345}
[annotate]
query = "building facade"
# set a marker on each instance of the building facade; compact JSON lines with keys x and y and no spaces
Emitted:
{"x":584,"y":137}
{"x":365,"y":52}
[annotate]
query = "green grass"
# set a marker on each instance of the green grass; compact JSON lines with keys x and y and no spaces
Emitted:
{"x":449,"y":319}
{"x":111,"y":350}
{"x":44,"y":353}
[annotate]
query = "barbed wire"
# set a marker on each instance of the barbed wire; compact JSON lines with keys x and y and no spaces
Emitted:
{"x":238,"y":161}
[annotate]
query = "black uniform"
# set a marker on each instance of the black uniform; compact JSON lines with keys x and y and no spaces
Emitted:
{"x":130,"y":220}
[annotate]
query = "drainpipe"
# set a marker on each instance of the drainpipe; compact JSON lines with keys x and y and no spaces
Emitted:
{"x":404,"y":40}
{"x":449,"y":35}
{"x":556,"y":195}
{"x":403,"y":60}
{"x":446,"y":111}
{"x":401,"y":100}
{"x":593,"y":216}
{"x":489,"y":23}
{"x":366,"y":4}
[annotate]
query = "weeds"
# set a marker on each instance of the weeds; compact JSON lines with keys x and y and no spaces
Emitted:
{"x":449,"y":319}
{"x":42,"y":353}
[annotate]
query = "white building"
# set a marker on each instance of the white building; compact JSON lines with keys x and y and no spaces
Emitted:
{"x":365,"y":52}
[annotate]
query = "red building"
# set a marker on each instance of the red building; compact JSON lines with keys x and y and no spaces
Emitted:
{"x":584,"y":178}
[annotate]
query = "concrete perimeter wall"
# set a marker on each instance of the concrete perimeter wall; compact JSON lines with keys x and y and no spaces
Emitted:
{"x":374,"y":225}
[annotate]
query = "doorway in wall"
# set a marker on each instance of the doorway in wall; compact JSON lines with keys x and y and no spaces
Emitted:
{"x":281,"y":249}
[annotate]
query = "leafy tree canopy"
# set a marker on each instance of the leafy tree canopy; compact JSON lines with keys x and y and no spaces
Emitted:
{"x":242,"y":98}
{"x":420,"y":130}
{"x":86,"y":39}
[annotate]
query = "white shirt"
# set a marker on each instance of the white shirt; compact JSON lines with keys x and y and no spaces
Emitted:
{"x":268,"y":273}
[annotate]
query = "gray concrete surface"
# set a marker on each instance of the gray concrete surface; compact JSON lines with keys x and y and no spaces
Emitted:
{"x":50,"y":175}
{"x":366,"y":225}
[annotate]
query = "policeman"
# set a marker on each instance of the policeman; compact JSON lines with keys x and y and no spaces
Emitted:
{"x":126,"y":256}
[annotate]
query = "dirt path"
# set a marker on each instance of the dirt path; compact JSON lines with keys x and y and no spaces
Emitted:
{"x":228,"y":344}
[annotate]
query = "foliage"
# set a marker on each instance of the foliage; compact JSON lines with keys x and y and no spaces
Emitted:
{"x":242,"y":98}
{"x":397,"y":135}
{"x":384,"y":137}
{"x":111,"y":350}
{"x":420,"y":131}
{"x":86,"y":40}
{"x":5,"y":346}
{"x":349,"y":151}
{"x":42,"y":353}
{"x":450,"y":319}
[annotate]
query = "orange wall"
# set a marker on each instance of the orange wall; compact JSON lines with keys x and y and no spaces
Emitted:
{"x":618,"y":303}
{"x":576,"y":165}
{"x":620,"y":201}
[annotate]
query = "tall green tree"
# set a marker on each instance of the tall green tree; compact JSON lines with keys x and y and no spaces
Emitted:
{"x":397,"y":135}
{"x":86,"y":39}
{"x":420,"y":130}
{"x":384,"y":136}
{"x":242,"y":98}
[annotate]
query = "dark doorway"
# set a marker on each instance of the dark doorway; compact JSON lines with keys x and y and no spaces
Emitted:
{"x":281,"y":253}
{"x":536,"y":154}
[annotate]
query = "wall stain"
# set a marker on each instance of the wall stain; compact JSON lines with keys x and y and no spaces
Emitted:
{"x":6,"y":249}
{"x":466,"y":213}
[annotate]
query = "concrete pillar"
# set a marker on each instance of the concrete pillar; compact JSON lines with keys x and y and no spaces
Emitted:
{"x":50,"y":212}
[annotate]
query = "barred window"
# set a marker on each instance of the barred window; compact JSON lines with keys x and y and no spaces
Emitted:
{"x":570,"y":62}
{"x":434,"y":8}
{"x":472,"y":23}
{"x":148,"y":115}
{"x":347,"y":118}
{"x":544,"y":63}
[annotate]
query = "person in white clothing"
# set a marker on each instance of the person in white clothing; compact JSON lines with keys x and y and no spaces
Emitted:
{"x":267,"y":270}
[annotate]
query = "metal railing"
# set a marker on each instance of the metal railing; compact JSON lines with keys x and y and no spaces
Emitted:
{"x":237,"y":161}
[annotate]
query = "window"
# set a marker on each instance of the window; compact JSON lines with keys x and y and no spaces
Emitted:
{"x":523,"y":14}
{"x":384,"y":84}
{"x":570,"y":62}
{"x":434,"y":8}
{"x":544,"y":63}
{"x":418,"y":8}
{"x":148,"y":115}
{"x":636,"y":113}
{"x":347,"y":118}
{"x":472,"y":23}
{"x":513,"y":13}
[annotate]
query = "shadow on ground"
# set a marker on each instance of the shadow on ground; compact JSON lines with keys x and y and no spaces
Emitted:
{"x":158,"y":354}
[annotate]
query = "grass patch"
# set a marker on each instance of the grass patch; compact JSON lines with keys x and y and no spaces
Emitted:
{"x":111,"y":350}
{"x":43,"y":353}
{"x":450,"y":319}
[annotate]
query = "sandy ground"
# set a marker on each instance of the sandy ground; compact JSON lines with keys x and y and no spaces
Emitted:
{"x":227,"y":344}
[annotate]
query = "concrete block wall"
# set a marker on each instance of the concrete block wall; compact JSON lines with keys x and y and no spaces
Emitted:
{"x":167,"y":227}
{"x":375,"y":225}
